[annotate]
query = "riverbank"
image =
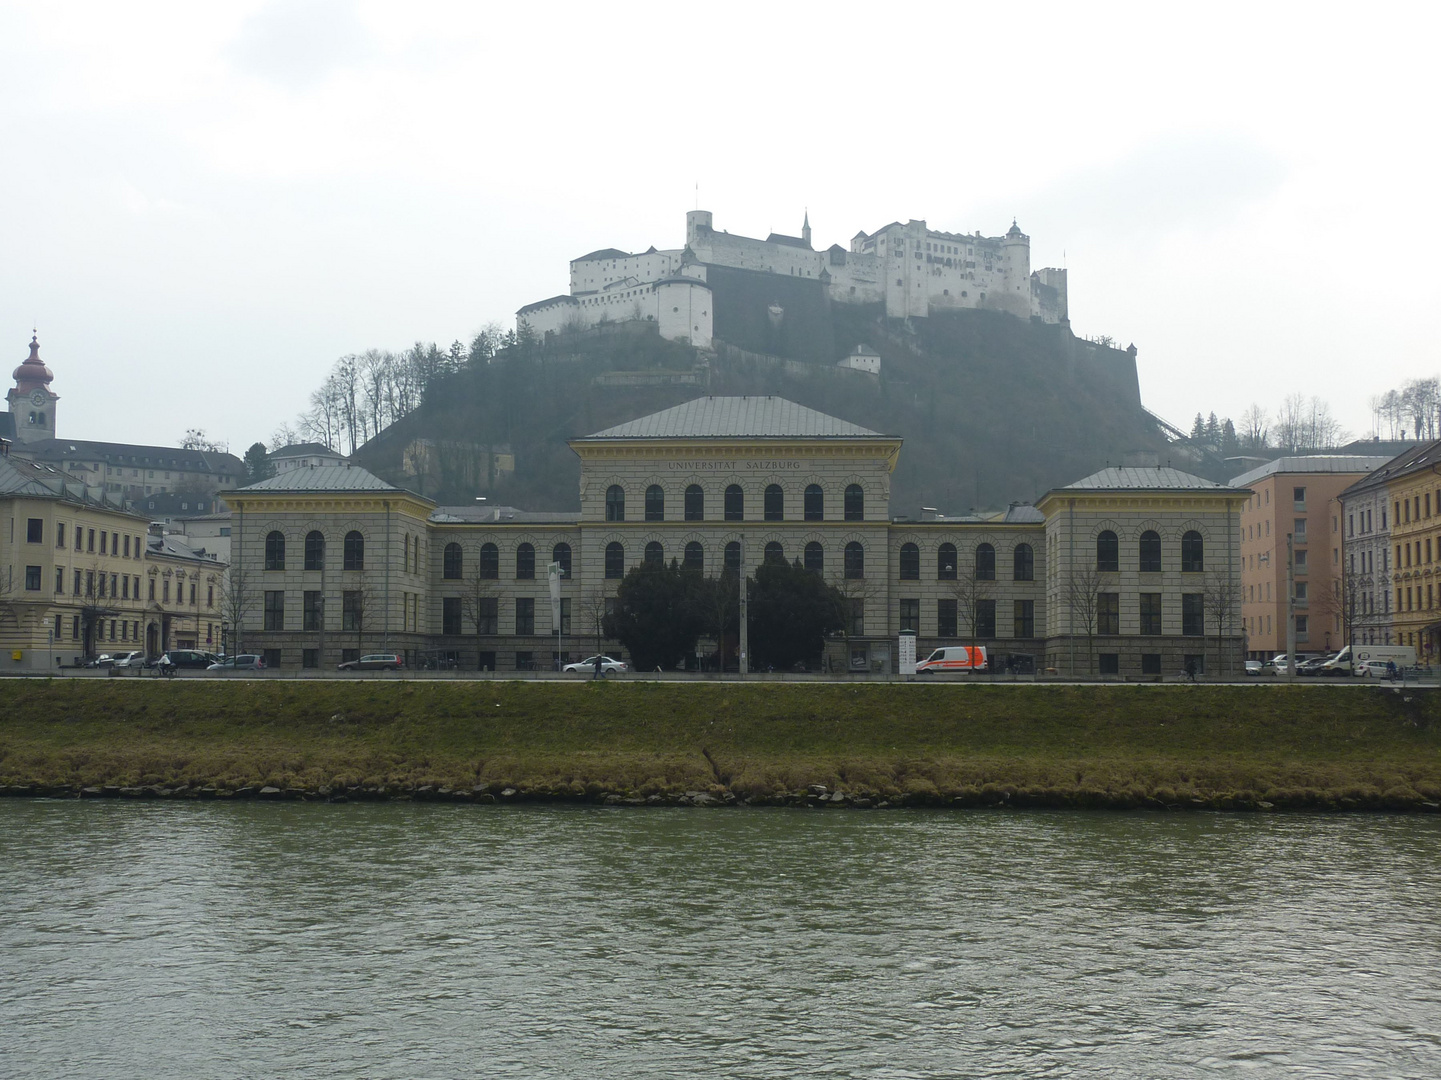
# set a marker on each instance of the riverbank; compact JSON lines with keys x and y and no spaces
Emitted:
{"x":1226,"y":747}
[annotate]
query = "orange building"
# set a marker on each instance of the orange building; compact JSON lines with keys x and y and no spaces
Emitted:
{"x":1296,"y":496}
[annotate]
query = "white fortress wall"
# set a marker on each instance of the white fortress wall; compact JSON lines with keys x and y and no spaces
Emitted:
{"x":588,"y":274}
{"x":684,"y":311}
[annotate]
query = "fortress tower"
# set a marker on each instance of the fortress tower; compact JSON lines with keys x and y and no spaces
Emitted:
{"x":32,"y":402}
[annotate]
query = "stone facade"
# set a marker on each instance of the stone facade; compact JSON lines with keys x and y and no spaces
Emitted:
{"x":714,"y":483}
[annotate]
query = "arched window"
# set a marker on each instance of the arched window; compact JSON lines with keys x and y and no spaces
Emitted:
{"x":525,"y":562}
{"x":615,"y":503}
{"x":946,"y":562}
{"x":355,"y":551}
{"x":814,"y":558}
{"x":274,"y":550}
{"x":733,"y":557}
{"x":910,"y":562}
{"x":774,"y":503}
{"x":315,"y":550}
{"x":985,"y":562}
{"x":561,"y":554}
{"x":815,"y":507}
{"x":614,"y":560}
{"x":654,"y":554}
{"x":450,"y":563}
{"x":735,"y":508}
{"x":855,"y":560}
{"x":1108,"y":552}
{"x":694,"y":557}
{"x":694,"y":503}
{"x":654,"y":503}
{"x":1023,"y":564}
{"x":489,"y":561}
{"x":1150,"y":552}
{"x":855,"y":503}
{"x":1193,"y":553}
{"x":774,"y":552}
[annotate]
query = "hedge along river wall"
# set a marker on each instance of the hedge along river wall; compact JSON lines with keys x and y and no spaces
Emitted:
{"x":1242,"y":747}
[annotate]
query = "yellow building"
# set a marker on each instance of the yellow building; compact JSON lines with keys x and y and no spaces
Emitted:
{"x":1415,"y":497}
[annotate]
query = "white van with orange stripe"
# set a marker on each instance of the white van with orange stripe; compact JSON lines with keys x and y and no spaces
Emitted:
{"x":954,"y":658}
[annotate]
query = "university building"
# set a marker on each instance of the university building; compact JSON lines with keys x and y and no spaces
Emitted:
{"x":335,"y":562}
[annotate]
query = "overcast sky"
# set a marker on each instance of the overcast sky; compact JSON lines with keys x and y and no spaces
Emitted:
{"x":203,"y":205}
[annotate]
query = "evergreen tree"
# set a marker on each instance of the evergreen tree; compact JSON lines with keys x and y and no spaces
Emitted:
{"x":792,"y":611}
{"x":1213,"y":430}
{"x":1198,"y":429}
{"x":660,"y":613}
{"x":257,"y":464}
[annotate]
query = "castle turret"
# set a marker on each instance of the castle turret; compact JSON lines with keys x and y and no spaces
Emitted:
{"x":32,"y":402}
{"x":1016,"y":248}
{"x":697,"y":223}
{"x":806,"y":229}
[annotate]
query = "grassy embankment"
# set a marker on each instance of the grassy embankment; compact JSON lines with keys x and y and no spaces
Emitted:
{"x":1329,"y":747}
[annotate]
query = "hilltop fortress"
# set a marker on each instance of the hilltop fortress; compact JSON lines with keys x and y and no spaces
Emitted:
{"x":911,"y":269}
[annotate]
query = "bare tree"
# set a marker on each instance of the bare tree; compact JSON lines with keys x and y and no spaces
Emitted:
{"x":1221,"y":601}
{"x":360,"y":609}
{"x":478,"y":602}
{"x":1082,"y":598}
{"x":283,"y":436}
{"x":1254,"y":432}
{"x":973,"y":593}
{"x":236,"y":603}
{"x":196,"y":439}
{"x":856,"y":594}
{"x":594,"y":605}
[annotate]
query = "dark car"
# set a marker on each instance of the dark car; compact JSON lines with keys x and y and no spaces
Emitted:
{"x":1312,"y":666}
{"x":189,"y":658}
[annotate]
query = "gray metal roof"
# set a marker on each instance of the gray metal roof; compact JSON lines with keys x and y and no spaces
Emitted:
{"x":480,"y":514}
{"x":1413,"y":458}
{"x":19,"y":479}
{"x":1152,"y":479}
{"x":323,"y":478}
{"x":1311,"y":463}
{"x":737,"y":418}
{"x":304,"y":449}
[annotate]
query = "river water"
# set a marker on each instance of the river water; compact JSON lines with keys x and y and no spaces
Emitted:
{"x":221,"y":940}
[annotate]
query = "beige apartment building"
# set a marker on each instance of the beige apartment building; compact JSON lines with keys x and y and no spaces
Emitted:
{"x":1297,"y":497}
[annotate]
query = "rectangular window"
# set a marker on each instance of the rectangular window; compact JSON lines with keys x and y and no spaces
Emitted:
{"x":1298,"y":497}
{"x":858,"y":618}
{"x":1150,"y":613}
{"x":486,"y":661}
{"x":312,"y":609}
{"x":60,"y":534}
{"x":1110,"y":663}
{"x":352,"y":610}
{"x":75,"y":628}
{"x":945,"y":618}
{"x":34,"y":530}
{"x":89,"y":539}
{"x":127,"y":545}
{"x":271,"y":657}
{"x":90,"y":583}
{"x":114,"y":585}
{"x":1303,"y":627}
{"x":103,"y":536}
{"x":450,"y":615}
{"x":1150,"y":663}
{"x":210,"y":596}
{"x":1299,"y":530}
{"x":524,"y":660}
{"x":32,"y":578}
{"x":565,"y":615}
{"x":1303,"y":590}
{"x":985,"y":618}
{"x":524,"y":615}
{"x":1193,"y":614}
{"x":1108,"y":613}
{"x":59,"y":579}
{"x":1194,"y":662}
{"x":911,"y":614}
{"x":274,"y":608}
{"x":1301,"y":561}
{"x":489,"y":616}
{"x":1025,"y":619}
{"x":77,"y":582}
{"x":310,"y":658}
{"x":165,"y":591}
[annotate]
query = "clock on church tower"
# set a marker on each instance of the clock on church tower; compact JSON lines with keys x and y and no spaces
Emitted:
{"x":32,"y":402}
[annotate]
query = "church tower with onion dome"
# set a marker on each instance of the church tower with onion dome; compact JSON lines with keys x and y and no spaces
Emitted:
{"x":32,"y":402}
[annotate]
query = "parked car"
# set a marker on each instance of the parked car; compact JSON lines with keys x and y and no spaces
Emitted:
{"x":1312,"y":666}
{"x":104,"y":660}
{"x":374,"y":662}
{"x":129,"y":660}
{"x":587,"y":667}
{"x":1255,"y":667}
{"x":190,"y":658}
{"x":1371,"y":669}
{"x":243,"y":662}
